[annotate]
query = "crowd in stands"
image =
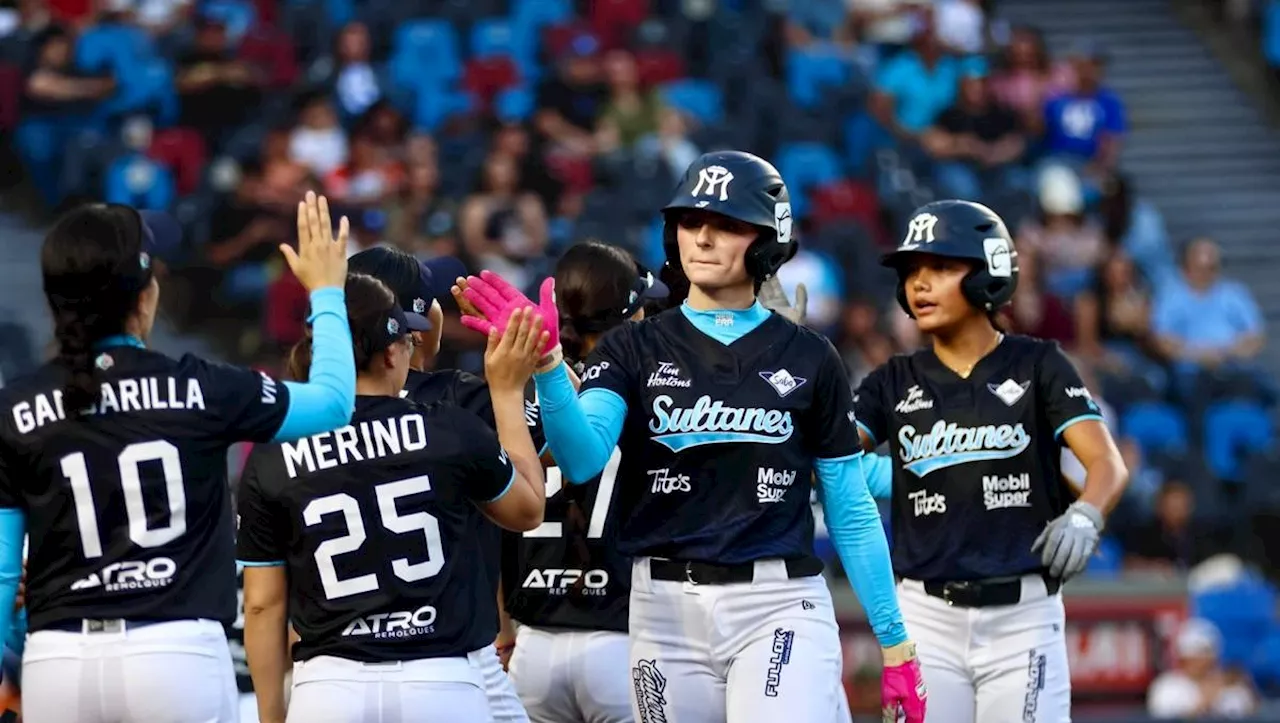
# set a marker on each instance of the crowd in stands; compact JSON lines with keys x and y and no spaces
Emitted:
{"x":502,"y":132}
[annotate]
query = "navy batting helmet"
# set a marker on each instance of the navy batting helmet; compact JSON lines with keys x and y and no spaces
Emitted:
{"x":743,"y":187}
{"x":961,"y":230}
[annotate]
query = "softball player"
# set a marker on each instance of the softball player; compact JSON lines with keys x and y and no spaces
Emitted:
{"x":115,"y":456}
{"x":567,"y":584}
{"x":732,"y":409}
{"x":363,"y":537}
{"x":417,"y":285}
{"x":984,"y":527}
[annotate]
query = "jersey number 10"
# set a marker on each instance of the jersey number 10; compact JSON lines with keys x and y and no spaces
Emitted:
{"x":347,"y":506}
{"x":130,"y":462}
{"x":599,"y":511}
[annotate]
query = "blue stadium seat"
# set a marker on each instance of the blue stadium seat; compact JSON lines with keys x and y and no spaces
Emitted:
{"x":138,"y":181}
{"x":114,"y":48}
{"x":806,"y":165}
{"x":493,"y":36}
{"x":432,"y":104}
{"x":1108,"y":561}
{"x":514,"y":104}
{"x":1233,"y":430}
{"x":701,"y":99}
{"x":1265,"y":666}
{"x":538,"y":13}
{"x":1156,"y":426}
{"x":147,"y":87}
{"x":812,"y":70}
{"x":425,"y":50}
{"x":1271,"y":33}
{"x":1242,"y":612}
{"x":237,"y":16}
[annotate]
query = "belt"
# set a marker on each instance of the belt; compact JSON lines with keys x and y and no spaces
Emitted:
{"x":108,"y":625}
{"x":985,"y":593}
{"x":707,"y":573}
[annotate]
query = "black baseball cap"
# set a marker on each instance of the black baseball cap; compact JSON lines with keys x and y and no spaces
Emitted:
{"x":415,"y":283}
{"x":647,"y":287}
{"x":389,"y":327}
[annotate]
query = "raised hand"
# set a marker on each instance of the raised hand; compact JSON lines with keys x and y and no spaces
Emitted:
{"x":774,"y":298}
{"x":320,"y":260}
{"x":496,"y":300}
{"x":513,"y":352}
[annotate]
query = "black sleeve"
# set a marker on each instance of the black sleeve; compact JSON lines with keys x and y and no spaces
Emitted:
{"x":1064,"y":396}
{"x":831,"y":420}
{"x":249,"y":405}
{"x":472,"y":394}
{"x":533,"y":418}
{"x":869,"y":403}
{"x":10,"y":494}
{"x":612,"y":365}
{"x":260,"y":524}
{"x":952,"y":121}
{"x":482,"y":461}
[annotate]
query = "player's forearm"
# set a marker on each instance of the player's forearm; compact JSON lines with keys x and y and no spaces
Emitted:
{"x":1104,"y":482}
{"x":12,"y":531}
{"x":513,"y":434}
{"x":581,"y":431}
{"x":853,"y":522}
{"x":266,"y":646}
{"x":328,"y":398}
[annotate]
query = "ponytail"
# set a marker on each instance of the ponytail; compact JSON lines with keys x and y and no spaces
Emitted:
{"x":299,"y":364}
{"x":571,"y":342}
{"x":74,"y":336}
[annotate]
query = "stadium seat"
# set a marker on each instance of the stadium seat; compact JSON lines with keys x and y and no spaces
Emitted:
{"x":1271,"y":33}
{"x":183,"y":151}
{"x":1156,"y":426}
{"x":494,"y":36}
{"x":432,"y":104}
{"x":574,"y":171}
{"x":613,"y":20}
{"x":1265,"y":666}
{"x":806,"y":165}
{"x":10,"y":96}
{"x":513,"y":105}
{"x":425,"y":50}
{"x":486,"y":77}
{"x":1233,"y":430}
{"x":237,"y":16}
{"x":138,"y":181}
{"x":1242,"y":611}
{"x":1108,"y":561}
{"x":846,"y":200}
{"x":273,"y":53}
{"x":540,"y":13}
{"x":812,"y":71}
{"x":699,"y":98}
{"x":112,"y":48}
{"x":658,"y":66}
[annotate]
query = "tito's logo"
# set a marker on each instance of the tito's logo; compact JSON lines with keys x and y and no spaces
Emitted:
{"x":711,"y":422}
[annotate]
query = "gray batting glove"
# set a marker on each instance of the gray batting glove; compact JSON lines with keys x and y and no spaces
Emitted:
{"x":1069,"y":541}
{"x":775,"y":299}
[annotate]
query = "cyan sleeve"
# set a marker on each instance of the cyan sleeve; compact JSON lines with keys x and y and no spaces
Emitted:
{"x":328,"y":399}
{"x":878,"y":470}
{"x":581,"y":430}
{"x":13,"y":526}
{"x":853,"y":523}
{"x":18,"y":632}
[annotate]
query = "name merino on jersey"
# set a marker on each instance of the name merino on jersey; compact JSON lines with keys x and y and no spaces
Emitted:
{"x":365,"y":441}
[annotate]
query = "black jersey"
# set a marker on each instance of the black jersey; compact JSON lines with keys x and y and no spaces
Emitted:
{"x":568,"y":573}
{"x":127,"y":505}
{"x":374,"y":524}
{"x":976,"y":474}
{"x":460,"y":389}
{"x":719,"y":441}
{"x":235,"y":639}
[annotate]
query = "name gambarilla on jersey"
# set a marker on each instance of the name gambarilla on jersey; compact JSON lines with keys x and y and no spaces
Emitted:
{"x":711,"y":421}
{"x":948,"y":444}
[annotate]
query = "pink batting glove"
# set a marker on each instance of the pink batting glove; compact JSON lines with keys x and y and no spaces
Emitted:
{"x":498,"y":300}
{"x":902,"y":690}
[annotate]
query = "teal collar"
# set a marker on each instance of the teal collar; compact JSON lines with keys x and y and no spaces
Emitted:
{"x":119,"y":340}
{"x":726,"y":325}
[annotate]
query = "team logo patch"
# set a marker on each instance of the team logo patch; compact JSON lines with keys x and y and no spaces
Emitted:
{"x":651,"y":691}
{"x":782,"y":221}
{"x":713,"y":181}
{"x":104,"y":362}
{"x":1000,"y":256}
{"x":393,"y":327}
{"x":919,"y":231}
{"x":782,"y":381}
{"x":1009,"y":391}
{"x":419,"y":306}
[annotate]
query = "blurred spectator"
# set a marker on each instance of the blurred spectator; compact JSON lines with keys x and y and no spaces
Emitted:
{"x":349,"y":74}
{"x":915,"y":86}
{"x":824,"y":281}
{"x":865,"y":346}
{"x":1034,"y":311}
{"x":888,"y":24}
{"x":318,"y":141}
{"x":1113,"y":320}
{"x":1068,"y":243}
{"x":421,"y":220}
{"x":159,"y":17}
{"x":1198,"y":687}
{"x":1174,"y":539}
{"x":385,"y":126}
{"x":24,"y":20}
{"x":1084,"y":127}
{"x":1137,"y":226}
{"x":1203,"y":321}
{"x":962,"y":25}
{"x":570,"y":102}
{"x":57,"y":102}
{"x":1027,"y":77}
{"x":976,"y":142}
{"x":217,"y":91}
{"x":503,"y":227}
{"x":671,"y":144}
{"x":250,"y":223}
{"x":631,"y":111}
{"x":368,"y":178}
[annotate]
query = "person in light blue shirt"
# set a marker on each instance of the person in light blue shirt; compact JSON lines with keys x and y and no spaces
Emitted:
{"x":1204,"y":322}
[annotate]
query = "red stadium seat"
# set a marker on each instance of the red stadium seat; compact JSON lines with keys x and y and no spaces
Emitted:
{"x":272,"y":52}
{"x":847,"y":200}
{"x":182,"y":150}
{"x":486,"y":77}
{"x":10,"y":95}
{"x":659,"y":66}
{"x":613,"y":19}
{"x":556,"y":39}
{"x":571,"y":170}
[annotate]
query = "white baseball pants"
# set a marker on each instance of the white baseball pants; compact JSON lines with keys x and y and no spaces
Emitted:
{"x":175,"y":672}
{"x":1003,"y":664}
{"x":758,"y":652}
{"x":432,"y":690}
{"x":572,"y":676}
{"x":504,"y":702}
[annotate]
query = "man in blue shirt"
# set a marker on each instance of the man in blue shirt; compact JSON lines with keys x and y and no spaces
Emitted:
{"x":1204,"y":322}
{"x":1085,"y":127}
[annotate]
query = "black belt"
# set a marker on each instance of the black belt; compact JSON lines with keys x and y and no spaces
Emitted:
{"x":108,"y":625}
{"x":706,"y":573}
{"x":985,"y":593}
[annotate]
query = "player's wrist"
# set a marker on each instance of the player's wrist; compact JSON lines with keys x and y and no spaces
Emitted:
{"x":899,"y":654}
{"x":1091,"y":511}
{"x":550,"y":360}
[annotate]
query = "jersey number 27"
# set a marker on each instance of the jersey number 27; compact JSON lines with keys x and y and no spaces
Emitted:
{"x":599,"y":511}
